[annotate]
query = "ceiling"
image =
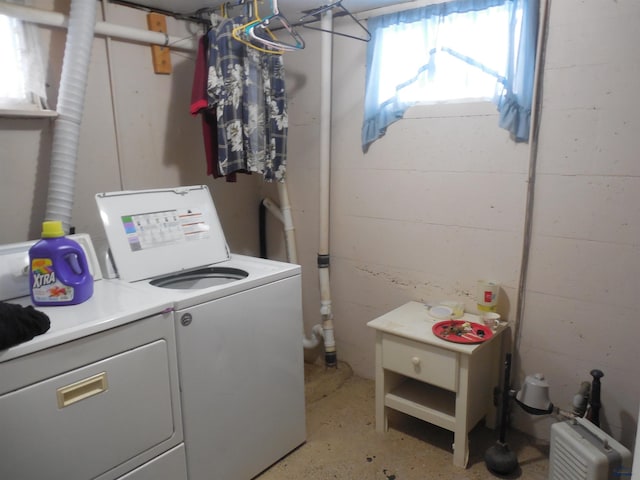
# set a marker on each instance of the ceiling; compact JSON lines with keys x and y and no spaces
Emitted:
{"x":289,"y":8}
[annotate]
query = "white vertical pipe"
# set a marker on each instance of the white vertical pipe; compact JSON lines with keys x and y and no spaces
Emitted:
{"x":325,"y":130}
{"x":66,"y":133}
{"x":325,"y":177}
{"x":283,"y":213}
{"x":274,"y":209}
{"x":287,"y":220}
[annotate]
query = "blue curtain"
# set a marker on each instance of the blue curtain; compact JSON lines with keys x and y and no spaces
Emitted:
{"x":514,"y":89}
{"x":514,"y":102}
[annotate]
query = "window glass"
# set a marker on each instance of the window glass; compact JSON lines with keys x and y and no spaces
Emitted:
{"x":461,"y":50}
{"x":463,"y":56}
{"x":22,"y":79}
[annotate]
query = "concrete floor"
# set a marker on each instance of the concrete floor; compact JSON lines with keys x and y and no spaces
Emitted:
{"x":342,"y":442}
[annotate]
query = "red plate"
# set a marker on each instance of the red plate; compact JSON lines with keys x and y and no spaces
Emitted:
{"x":447,"y":331}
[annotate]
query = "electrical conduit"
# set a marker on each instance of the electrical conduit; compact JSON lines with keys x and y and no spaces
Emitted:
{"x":330,"y":355}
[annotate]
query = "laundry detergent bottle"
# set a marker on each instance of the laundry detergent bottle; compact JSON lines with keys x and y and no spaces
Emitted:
{"x":58,"y":269}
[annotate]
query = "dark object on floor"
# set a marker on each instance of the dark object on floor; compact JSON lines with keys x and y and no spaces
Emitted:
{"x":594,"y":414}
{"x":499,"y":458}
{"x":19,"y":324}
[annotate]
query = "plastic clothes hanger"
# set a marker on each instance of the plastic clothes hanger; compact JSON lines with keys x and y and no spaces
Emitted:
{"x":316,"y":13}
{"x":274,"y":42}
{"x":238,"y":33}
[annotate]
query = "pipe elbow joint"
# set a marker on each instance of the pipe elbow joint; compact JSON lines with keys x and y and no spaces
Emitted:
{"x":316,"y":335}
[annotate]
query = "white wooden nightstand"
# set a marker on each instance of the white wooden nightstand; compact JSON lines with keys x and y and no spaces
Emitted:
{"x":444,"y":383}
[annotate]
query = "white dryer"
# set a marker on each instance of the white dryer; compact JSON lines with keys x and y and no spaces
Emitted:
{"x":238,"y":323}
{"x":99,"y":389}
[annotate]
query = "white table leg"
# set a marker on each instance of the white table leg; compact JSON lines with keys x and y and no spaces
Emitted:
{"x":461,"y":433}
{"x":381,"y":388}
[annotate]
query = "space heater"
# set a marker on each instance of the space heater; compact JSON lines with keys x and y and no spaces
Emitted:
{"x":579,"y":450}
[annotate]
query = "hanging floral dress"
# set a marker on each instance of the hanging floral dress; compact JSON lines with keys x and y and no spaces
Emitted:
{"x":248,"y":89}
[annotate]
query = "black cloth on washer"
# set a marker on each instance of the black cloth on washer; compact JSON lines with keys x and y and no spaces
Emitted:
{"x":19,"y":324}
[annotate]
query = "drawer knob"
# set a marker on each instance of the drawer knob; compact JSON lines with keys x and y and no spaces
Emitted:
{"x":415,"y":361}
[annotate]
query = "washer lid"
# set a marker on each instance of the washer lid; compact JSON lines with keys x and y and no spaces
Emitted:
{"x":162,"y":231}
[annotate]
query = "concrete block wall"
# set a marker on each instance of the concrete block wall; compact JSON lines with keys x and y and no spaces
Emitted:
{"x":439,"y":203}
{"x":434,"y":206}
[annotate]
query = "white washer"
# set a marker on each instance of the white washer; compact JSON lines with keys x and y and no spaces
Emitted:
{"x":238,"y":323}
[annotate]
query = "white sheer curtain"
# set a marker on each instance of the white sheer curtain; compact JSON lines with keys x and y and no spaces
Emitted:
{"x":22,"y":82}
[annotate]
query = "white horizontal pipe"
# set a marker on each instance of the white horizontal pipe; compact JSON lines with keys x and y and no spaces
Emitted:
{"x":397,"y":7}
{"x":59,"y":20}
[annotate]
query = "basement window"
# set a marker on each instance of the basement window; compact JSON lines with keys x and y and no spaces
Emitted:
{"x":462,"y":57}
{"x":22,"y":83}
{"x":456,"y":51}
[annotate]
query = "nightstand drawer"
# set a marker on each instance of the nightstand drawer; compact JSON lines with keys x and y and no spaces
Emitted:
{"x":426,"y":363}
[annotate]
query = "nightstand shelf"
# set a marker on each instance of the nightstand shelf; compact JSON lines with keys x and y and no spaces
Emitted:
{"x":426,"y":402}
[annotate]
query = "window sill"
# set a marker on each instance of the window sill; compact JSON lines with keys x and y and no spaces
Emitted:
{"x":460,"y":108}
{"x":7,"y":113}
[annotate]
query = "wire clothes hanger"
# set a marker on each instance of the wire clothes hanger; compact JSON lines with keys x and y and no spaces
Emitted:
{"x":316,"y":13}
{"x":239,"y":32}
{"x":216,"y":18}
{"x":225,"y":7}
{"x":253,"y":29}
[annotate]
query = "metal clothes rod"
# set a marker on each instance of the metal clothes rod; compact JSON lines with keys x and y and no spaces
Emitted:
{"x":315,"y":15}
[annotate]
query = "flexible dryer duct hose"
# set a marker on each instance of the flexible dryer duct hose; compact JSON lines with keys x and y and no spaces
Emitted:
{"x":66,"y":133}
